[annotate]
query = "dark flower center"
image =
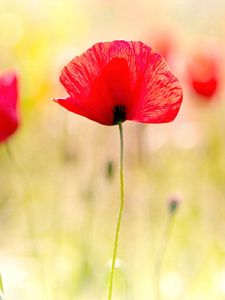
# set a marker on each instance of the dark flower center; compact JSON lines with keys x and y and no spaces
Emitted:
{"x":119,"y":114}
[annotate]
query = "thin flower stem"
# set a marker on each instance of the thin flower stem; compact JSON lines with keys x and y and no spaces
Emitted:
{"x":161,"y":254}
{"x":115,"y":247}
{"x":1,"y":288}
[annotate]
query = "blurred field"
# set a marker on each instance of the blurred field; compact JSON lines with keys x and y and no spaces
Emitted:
{"x":58,"y":205}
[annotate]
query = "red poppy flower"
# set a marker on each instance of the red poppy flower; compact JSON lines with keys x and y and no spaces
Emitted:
{"x":9,"y":120}
{"x":203,"y":74}
{"x":117,"y":81}
{"x":164,"y":43}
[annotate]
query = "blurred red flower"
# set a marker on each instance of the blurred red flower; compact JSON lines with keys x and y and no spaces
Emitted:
{"x":117,"y":81}
{"x":165,"y":44}
{"x":203,"y":74}
{"x":9,"y":120}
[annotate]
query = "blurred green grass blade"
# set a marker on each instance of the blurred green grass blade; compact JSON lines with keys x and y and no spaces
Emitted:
{"x":1,"y":289}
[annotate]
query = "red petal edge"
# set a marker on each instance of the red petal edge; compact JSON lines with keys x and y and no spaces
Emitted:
{"x":9,"y":119}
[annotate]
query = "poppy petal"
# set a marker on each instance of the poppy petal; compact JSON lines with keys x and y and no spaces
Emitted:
{"x":159,"y":95}
{"x":9,"y":120}
{"x":71,"y":104}
{"x":205,"y":88}
{"x":204,"y":74}
{"x":99,"y":79}
{"x":116,"y":75}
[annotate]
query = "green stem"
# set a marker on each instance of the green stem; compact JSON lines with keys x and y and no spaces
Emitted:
{"x":161,"y":255}
{"x":115,"y":247}
{"x":1,"y":286}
